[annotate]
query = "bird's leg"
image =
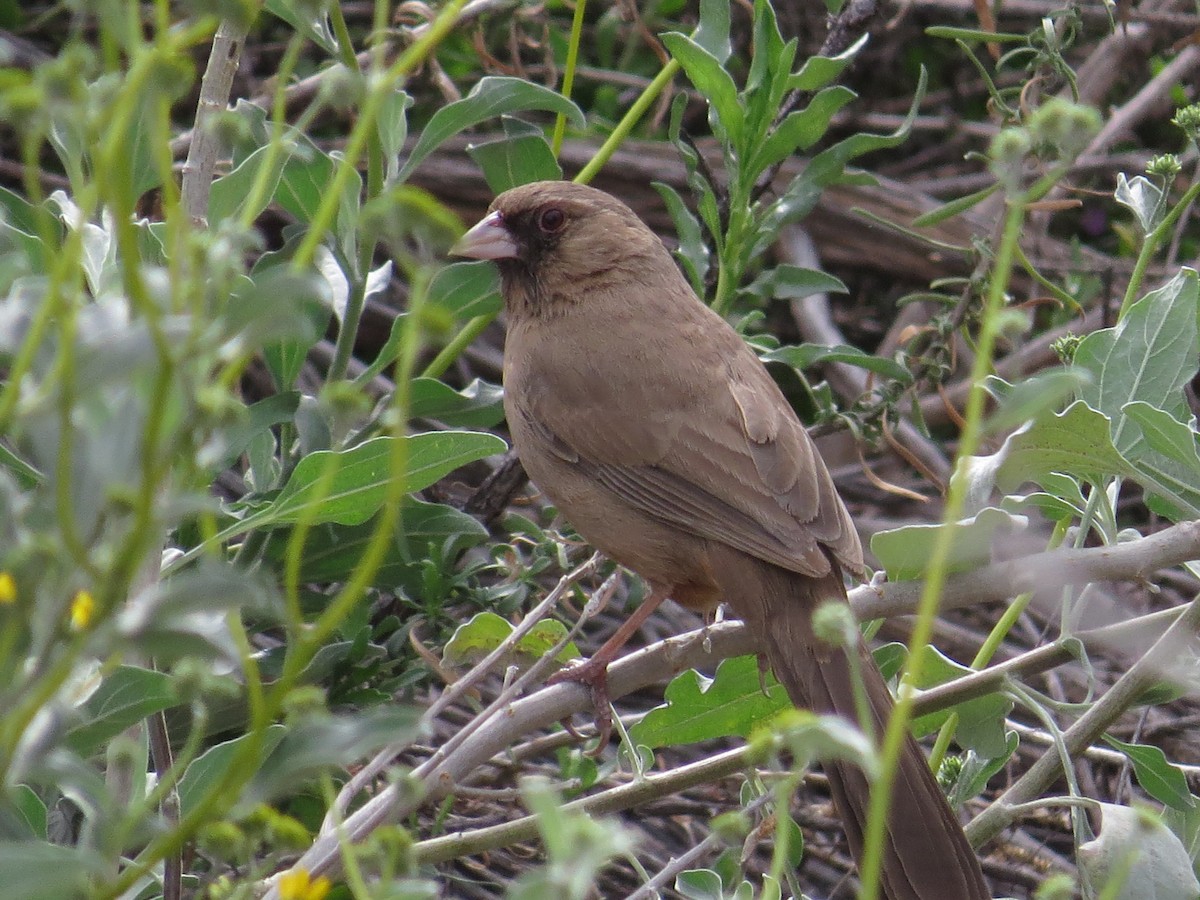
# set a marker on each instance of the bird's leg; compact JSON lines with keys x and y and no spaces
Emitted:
{"x":594,"y":673}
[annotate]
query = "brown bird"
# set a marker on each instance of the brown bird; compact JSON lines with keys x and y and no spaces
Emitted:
{"x":661,"y":437}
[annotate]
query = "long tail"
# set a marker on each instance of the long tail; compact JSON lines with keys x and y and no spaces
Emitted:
{"x":927,"y":854}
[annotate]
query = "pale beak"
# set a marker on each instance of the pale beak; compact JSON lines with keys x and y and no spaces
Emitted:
{"x":489,"y":239}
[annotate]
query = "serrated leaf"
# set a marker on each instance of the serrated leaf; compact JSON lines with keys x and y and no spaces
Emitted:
{"x":801,"y":195}
{"x":698,"y":708}
{"x":1158,"y":777}
{"x":493,"y":96}
{"x":485,"y":631}
{"x":1075,"y":442}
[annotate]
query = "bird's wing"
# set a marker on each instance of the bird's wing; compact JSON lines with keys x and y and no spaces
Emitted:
{"x":716,"y":452}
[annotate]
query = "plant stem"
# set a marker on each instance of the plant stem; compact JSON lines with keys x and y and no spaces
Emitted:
{"x":560,"y":122}
{"x":897,"y":727}
{"x":1153,"y":240}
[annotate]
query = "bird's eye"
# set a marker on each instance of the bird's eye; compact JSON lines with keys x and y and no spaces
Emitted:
{"x":551,"y":220}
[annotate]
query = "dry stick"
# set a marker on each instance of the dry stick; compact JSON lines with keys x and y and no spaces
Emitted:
{"x":1142,"y":104}
{"x":649,"y":890}
{"x":626,"y":796}
{"x":1144,"y":673}
{"x":456,"y":691}
{"x":214,"y":98}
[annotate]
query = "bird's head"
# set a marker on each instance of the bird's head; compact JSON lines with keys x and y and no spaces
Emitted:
{"x":552,"y":240}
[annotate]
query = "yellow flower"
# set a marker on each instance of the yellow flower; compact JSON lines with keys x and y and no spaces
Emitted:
{"x":299,"y":885}
{"x":8,"y":589}
{"x":83,"y":609}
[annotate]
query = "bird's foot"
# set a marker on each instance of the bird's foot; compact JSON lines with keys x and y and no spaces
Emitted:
{"x":593,"y":675}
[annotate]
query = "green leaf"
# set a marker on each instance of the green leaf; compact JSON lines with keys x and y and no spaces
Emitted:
{"x":700,"y":884}
{"x":30,"y":808}
{"x":1166,"y":460}
{"x":1075,"y":442}
{"x":323,"y":743}
{"x":304,"y":183}
{"x":1137,"y":848}
{"x":1148,"y":356}
{"x":788,"y":282}
{"x":818,"y":71}
{"x":208,"y":770}
{"x":803,"y":356}
{"x":358,"y":478}
{"x":712,"y":81}
{"x":713,"y":31}
{"x":802,"y":193}
{"x":1143,"y":197}
{"x":802,"y":128}
{"x":692,"y":251}
{"x":699,"y":708}
{"x":977,"y":770}
{"x":26,"y":475}
{"x":124,"y":698}
{"x":332,"y":552}
{"x":36,"y":870}
{"x":466,"y":289}
{"x":485,"y":631}
{"x":1158,"y":777}
{"x":905,"y":552}
{"x":316,"y":30}
{"x":266,"y":413}
{"x":478,"y":405}
{"x":392,"y":125}
{"x":520,"y":157}
{"x":1028,"y":399}
{"x":980,"y":721}
{"x":493,"y":96}
{"x":230,"y":193}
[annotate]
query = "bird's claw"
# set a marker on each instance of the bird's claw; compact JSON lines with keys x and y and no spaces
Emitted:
{"x":595,"y":679}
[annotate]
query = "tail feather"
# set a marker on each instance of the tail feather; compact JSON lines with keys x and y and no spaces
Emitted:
{"x":927,"y":856}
